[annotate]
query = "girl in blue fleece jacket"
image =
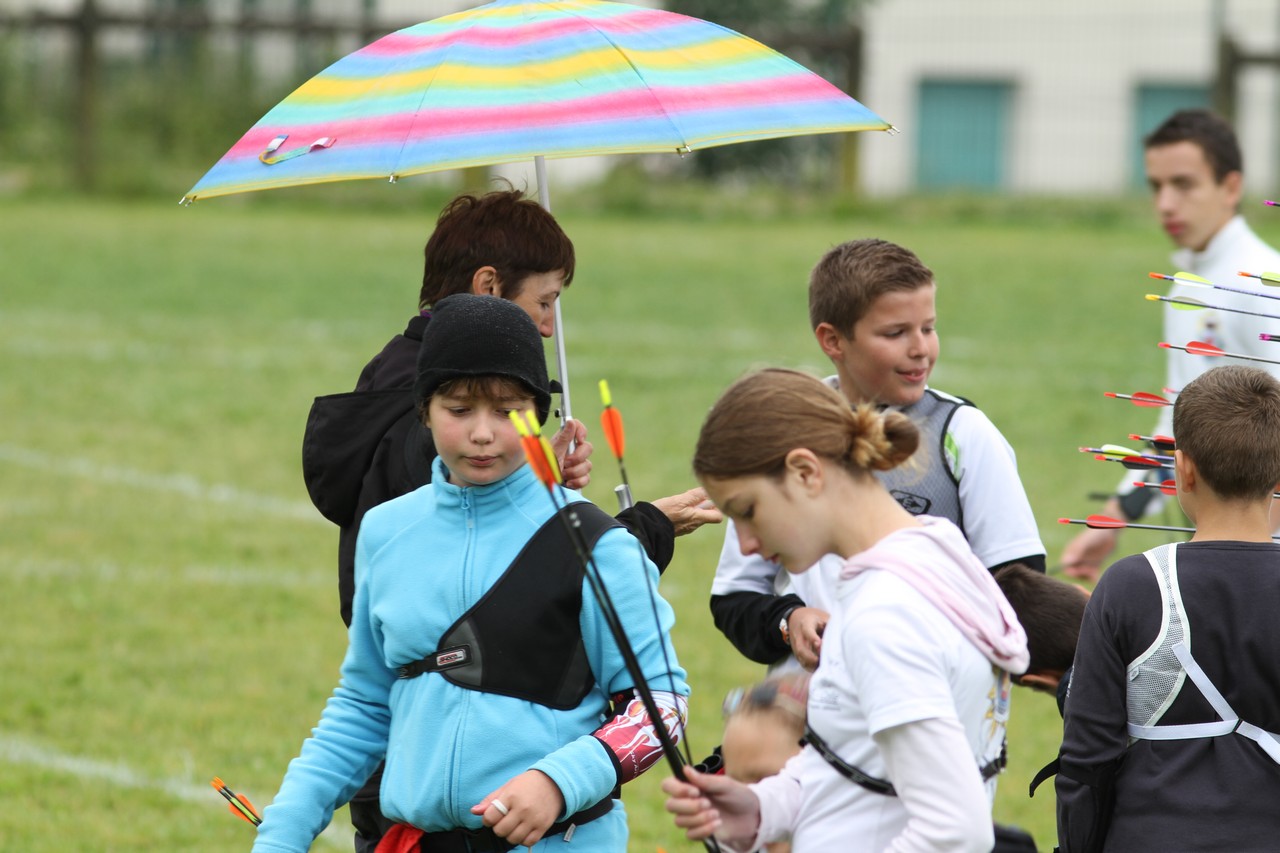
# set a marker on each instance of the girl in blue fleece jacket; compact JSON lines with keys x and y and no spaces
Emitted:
{"x":479,"y":662}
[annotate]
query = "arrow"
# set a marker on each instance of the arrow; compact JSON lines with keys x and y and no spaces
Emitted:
{"x":611,"y":422}
{"x":1271,"y":278}
{"x":1181,"y":277}
{"x":541,"y":460}
{"x":1169,"y":487}
{"x":1137,"y":462}
{"x":1186,"y":303}
{"x":1161,"y":442}
{"x":238,"y":803}
{"x":1106,"y":522}
{"x":1263,"y":336}
{"x":539,"y":454}
{"x":1140,"y":398}
{"x":1272,"y":203}
{"x":1192,"y":280}
{"x":1202,"y":348}
{"x":1113,"y":450}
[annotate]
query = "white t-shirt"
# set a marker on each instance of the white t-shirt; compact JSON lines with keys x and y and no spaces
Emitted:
{"x":889,"y":658}
{"x":998,"y":522}
{"x":1233,"y":250}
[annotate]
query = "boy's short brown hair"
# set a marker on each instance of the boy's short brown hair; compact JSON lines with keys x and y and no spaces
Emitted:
{"x":850,"y":277}
{"x":501,"y":229}
{"x":500,"y":389}
{"x":1227,"y":421}
{"x":1211,"y":133}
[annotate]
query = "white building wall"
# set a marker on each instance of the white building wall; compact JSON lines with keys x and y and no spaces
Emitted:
{"x":1075,"y":69}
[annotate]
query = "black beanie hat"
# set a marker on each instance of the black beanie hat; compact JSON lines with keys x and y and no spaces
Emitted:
{"x":471,"y":336}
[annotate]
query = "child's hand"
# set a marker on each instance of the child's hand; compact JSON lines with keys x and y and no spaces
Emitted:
{"x":707,"y":805}
{"x":805,"y":625}
{"x":521,"y":810}
{"x":574,"y":466}
{"x":1084,"y":555}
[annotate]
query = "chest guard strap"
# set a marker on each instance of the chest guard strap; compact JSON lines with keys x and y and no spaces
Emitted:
{"x":884,"y":787}
{"x":935,"y":489}
{"x":523,"y":638}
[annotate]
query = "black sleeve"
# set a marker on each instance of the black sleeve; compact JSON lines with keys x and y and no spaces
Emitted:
{"x":654,"y":530}
{"x":1095,"y":737}
{"x":750,"y":621}
{"x":1031,"y":561}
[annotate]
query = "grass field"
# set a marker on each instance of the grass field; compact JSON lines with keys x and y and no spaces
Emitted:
{"x":171,"y":609}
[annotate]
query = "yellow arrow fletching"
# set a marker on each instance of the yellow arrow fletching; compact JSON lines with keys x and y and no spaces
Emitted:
{"x":521,"y":427}
{"x":605,"y":397}
{"x":1118,"y":450}
{"x":1191,"y":278}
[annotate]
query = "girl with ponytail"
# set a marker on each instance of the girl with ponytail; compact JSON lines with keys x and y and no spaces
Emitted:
{"x":908,"y":705}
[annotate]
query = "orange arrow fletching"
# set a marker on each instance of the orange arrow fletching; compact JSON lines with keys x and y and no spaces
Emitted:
{"x":1140,"y":398}
{"x":611,"y":421}
{"x":1202,"y":348}
{"x":238,"y":803}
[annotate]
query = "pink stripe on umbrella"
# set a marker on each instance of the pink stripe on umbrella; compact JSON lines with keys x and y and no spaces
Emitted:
{"x":489,"y":35}
{"x":598,"y":108}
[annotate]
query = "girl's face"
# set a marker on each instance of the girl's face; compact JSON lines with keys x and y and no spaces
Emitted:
{"x":775,"y":518}
{"x":475,"y":438}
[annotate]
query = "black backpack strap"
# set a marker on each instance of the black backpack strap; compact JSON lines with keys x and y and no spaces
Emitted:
{"x":883,"y":786}
{"x":845,"y":769}
{"x":1047,"y":772}
{"x":522,"y":638}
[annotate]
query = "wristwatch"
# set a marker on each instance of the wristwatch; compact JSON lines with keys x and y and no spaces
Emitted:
{"x":783,"y":628}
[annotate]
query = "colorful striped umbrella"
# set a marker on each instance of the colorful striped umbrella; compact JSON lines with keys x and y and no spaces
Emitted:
{"x":528,"y":79}
{"x":519,"y":79}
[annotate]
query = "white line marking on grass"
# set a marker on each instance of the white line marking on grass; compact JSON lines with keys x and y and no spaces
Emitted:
{"x":109,"y":572}
{"x":180,"y":484}
{"x":17,"y":750}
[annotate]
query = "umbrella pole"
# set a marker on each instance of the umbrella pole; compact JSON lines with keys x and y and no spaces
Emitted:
{"x":562,"y":363}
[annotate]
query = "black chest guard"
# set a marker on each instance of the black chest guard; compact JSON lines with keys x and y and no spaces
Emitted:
{"x":523,"y":638}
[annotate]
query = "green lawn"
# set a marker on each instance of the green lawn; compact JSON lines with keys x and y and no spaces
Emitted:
{"x":170,"y":608}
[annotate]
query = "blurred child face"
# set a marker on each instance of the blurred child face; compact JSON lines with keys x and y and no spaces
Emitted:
{"x":1192,"y":204}
{"x":756,"y":746}
{"x":772,"y":519}
{"x":891,"y":352}
{"x":475,"y":438}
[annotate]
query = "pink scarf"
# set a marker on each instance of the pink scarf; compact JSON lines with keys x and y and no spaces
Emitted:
{"x":937,"y":562}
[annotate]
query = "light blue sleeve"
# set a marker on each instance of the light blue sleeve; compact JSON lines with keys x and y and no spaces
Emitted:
{"x":583,"y":768}
{"x":345,"y":746}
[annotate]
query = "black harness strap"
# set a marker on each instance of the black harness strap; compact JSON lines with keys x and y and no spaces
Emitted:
{"x":883,"y":786}
{"x":523,"y":638}
{"x":484,"y":840}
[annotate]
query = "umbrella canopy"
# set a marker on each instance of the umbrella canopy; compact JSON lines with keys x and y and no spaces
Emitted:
{"x":519,"y":79}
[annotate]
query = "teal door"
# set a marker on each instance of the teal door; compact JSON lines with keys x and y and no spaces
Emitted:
{"x":1155,"y":102}
{"x":963,"y":134}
